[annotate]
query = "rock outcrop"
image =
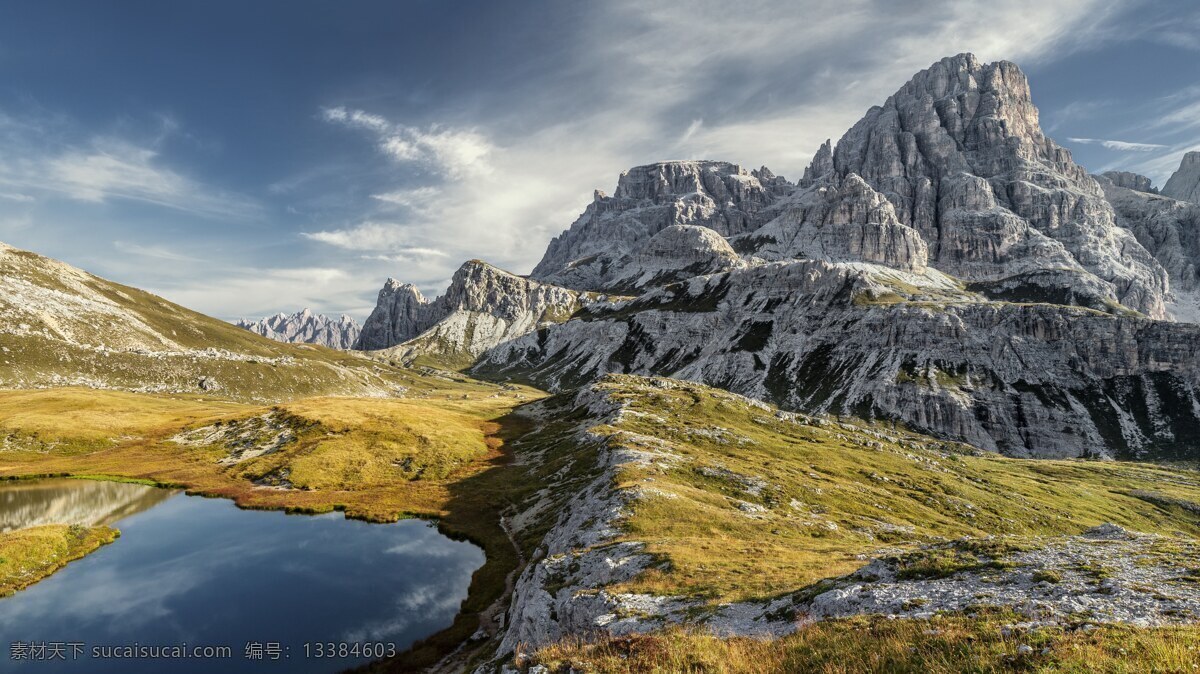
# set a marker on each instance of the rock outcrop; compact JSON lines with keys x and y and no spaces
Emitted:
{"x":842,"y":220}
{"x":1130,"y":181}
{"x":1170,"y":230}
{"x":673,"y":254}
{"x":401,"y":313}
{"x":1184,"y":184}
{"x":305,"y":327}
{"x":718,"y":195}
{"x":484,"y":306}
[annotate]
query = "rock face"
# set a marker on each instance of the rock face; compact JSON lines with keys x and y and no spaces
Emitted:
{"x":1035,"y":380}
{"x":959,"y":153}
{"x":673,"y":254}
{"x":1184,"y":184}
{"x":307,"y":328}
{"x":484,"y":306}
{"x":1170,"y":230}
{"x":720,"y":196}
{"x":401,"y":313}
{"x":842,"y":220}
{"x":1130,"y":181}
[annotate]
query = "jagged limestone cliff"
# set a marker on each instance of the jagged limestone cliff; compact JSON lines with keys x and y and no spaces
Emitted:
{"x":1024,"y":379}
{"x":1184,"y":184}
{"x":612,"y":231}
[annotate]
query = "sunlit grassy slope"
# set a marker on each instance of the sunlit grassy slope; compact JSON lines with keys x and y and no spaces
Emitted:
{"x":983,"y":644}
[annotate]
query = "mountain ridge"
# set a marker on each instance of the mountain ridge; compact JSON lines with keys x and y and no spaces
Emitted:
{"x":61,"y":326}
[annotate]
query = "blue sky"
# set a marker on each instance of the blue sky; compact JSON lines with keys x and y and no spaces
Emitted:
{"x":244,"y":158}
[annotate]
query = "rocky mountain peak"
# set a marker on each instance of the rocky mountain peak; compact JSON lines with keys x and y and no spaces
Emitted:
{"x":400,"y":314}
{"x":675,"y":178}
{"x":1184,"y":184}
{"x":842,"y":220}
{"x":959,"y":152}
{"x":822,"y":164}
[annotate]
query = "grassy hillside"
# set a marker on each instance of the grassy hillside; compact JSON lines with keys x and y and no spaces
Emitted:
{"x":62,"y":326}
{"x":755,"y":503}
{"x":950,"y":645}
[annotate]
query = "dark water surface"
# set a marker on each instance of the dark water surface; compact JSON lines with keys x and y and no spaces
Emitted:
{"x":201,"y":572}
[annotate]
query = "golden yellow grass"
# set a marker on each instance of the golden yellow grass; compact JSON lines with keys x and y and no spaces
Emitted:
{"x":945,"y":645}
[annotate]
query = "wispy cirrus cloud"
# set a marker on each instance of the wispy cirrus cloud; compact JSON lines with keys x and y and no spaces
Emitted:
{"x":257,"y":292}
{"x":100,"y":169}
{"x":416,"y":198}
{"x":1120,"y":145}
{"x":381,"y":237}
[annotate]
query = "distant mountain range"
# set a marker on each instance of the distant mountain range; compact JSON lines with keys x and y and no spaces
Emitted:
{"x":305,"y":327}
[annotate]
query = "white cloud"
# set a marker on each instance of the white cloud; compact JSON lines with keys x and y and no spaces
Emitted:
{"x":1119,"y":145}
{"x":416,"y":198}
{"x":157,"y":252}
{"x":356,"y":118}
{"x":251,"y":293}
{"x":17,"y":197}
{"x":368,"y":236}
{"x":1160,"y":166}
{"x":454,"y":153}
{"x":1187,"y":115}
{"x":106,"y":169}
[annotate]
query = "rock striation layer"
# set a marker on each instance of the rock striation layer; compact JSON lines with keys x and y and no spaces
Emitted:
{"x":841,"y":220}
{"x":1037,"y":380}
{"x":1130,"y":181}
{"x":305,"y":327}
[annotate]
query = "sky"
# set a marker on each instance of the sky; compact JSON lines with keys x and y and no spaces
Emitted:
{"x":245,"y":158}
